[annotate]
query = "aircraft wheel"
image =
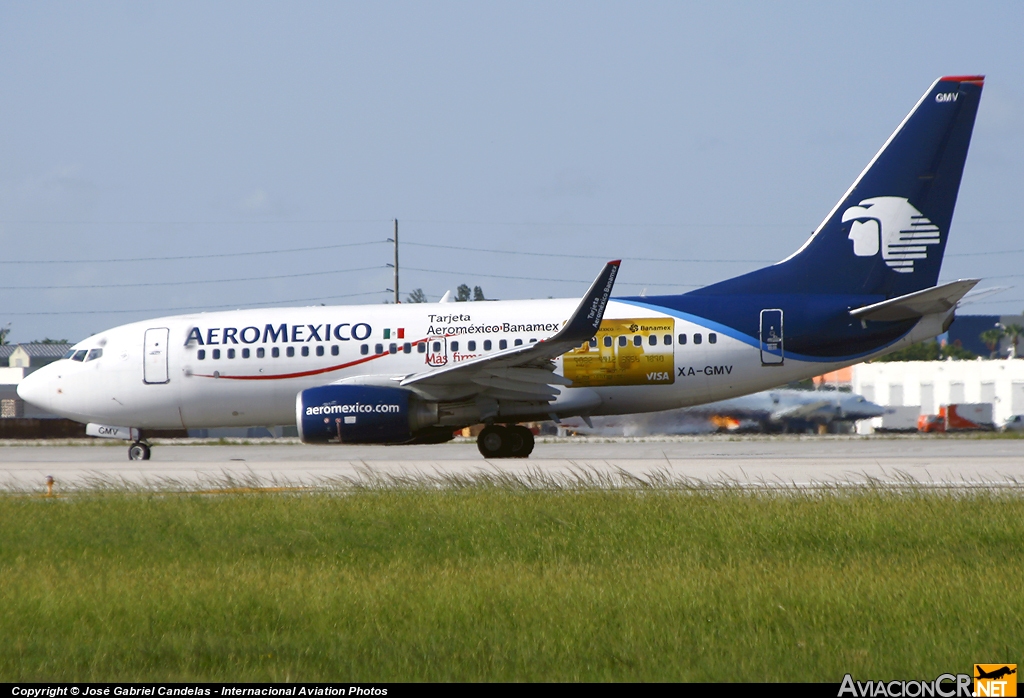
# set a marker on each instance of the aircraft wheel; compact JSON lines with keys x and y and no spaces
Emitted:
{"x":522,"y":442}
{"x":138,"y":451}
{"x":495,"y":441}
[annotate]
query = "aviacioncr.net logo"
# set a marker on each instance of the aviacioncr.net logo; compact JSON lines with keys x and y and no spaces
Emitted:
{"x":892,"y":224}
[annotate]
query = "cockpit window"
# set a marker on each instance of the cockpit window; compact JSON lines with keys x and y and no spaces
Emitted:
{"x":94,"y":354}
{"x":71,"y":352}
{"x":79,"y":355}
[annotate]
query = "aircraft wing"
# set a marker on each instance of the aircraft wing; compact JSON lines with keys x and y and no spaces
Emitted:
{"x":937,"y":299}
{"x":523,"y":373}
{"x":802,"y":411}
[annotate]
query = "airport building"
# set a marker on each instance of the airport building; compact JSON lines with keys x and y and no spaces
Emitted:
{"x":966,"y":332}
{"x":930,"y":384}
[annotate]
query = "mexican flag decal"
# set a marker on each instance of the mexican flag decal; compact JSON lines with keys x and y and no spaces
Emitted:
{"x":395,"y":334}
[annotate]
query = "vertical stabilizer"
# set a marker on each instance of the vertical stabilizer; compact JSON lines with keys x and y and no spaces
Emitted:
{"x":887,"y":234}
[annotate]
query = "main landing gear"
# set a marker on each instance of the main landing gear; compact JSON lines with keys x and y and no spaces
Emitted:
{"x":138,"y":451}
{"x":497,"y":441}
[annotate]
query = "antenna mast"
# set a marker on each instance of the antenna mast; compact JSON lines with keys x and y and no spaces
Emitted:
{"x":396,"y":262}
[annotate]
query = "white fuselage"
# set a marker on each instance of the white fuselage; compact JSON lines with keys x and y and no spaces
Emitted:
{"x":245,"y":367}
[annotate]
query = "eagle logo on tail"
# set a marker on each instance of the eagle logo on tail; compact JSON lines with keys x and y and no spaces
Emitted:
{"x":892,"y":224}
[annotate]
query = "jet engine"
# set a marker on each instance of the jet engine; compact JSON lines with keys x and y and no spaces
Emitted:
{"x":359,"y":414}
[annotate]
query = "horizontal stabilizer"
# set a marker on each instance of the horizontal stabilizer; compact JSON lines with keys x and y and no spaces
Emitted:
{"x":938,"y":299}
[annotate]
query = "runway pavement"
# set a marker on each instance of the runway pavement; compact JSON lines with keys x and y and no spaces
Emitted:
{"x":756,"y":461}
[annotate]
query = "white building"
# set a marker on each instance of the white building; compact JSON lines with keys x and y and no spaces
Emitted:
{"x":930,"y":384}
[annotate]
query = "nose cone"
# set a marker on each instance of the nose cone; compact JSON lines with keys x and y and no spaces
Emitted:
{"x":875,"y":410}
{"x":36,"y":388}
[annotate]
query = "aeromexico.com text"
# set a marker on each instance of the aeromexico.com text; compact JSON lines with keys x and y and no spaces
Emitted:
{"x":353,"y":409}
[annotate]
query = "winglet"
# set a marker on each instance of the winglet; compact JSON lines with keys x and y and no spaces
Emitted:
{"x":585,"y":322}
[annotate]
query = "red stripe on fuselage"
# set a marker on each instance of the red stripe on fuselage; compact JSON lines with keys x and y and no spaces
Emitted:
{"x":302,"y":374}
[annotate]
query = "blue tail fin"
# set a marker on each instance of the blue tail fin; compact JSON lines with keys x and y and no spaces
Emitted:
{"x":887,"y":234}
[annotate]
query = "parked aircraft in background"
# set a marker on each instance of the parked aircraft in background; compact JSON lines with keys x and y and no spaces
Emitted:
{"x":862,"y":285}
{"x":782,"y":410}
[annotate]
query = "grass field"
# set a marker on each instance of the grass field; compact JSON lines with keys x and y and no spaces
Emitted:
{"x":487,"y":582}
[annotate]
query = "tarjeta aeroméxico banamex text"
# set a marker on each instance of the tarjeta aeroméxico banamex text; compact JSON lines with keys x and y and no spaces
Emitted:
{"x":864,"y":284}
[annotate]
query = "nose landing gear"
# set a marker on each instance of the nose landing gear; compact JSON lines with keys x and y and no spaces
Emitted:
{"x":497,"y":441}
{"x":138,"y":451}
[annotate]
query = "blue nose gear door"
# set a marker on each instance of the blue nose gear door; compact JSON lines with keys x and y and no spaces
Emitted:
{"x":772,"y":353}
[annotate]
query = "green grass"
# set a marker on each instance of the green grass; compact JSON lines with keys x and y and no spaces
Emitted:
{"x":503,"y":583}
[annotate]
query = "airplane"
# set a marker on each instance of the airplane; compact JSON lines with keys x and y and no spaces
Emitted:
{"x":862,"y":285}
{"x":781,"y":410}
{"x":994,"y":674}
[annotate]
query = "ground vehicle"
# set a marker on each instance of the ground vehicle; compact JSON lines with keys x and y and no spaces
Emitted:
{"x":1014,"y":423}
{"x":898,"y":418}
{"x":958,"y":417}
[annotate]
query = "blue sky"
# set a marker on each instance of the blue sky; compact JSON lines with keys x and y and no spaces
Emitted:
{"x":695,"y":141}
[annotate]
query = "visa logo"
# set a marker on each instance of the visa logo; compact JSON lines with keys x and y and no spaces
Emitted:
{"x":658,"y":376}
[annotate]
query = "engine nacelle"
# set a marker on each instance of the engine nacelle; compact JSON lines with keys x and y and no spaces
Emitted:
{"x":358,"y":414}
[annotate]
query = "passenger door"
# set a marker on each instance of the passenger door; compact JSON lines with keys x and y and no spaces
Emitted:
{"x":154,"y":362}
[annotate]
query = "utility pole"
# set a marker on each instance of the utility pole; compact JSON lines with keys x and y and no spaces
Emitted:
{"x":396,"y":262}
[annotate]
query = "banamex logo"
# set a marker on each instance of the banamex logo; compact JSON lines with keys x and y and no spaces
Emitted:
{"x":892,"y":224}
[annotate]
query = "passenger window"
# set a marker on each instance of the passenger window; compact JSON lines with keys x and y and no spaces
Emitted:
{"x":216,"y":353}
{"x":608,"y":341}
{"x":503,"y":344}
{"x":437,"y":346}
{"x":519,"y":342}
{"x":320,"y":350}
{"x":334,"y":350}
{"x":653,"y":340}
{"x":79,"y":355}
{"x":378,"y":348}
{"x":697,"y":339}
{"x":407,"y":348}
{"x":231,"y":353}
{"x":245,"y":353}
{"x":455,"y":346}
{"x":260,"y":353}
{"x":593,"y":342}
{"x":533,"y":341}
{"x":305,"y":351}
{"x":290,"y":351}
{"x":668,"y":340}
{"x":622,"y":340}
{"x":392,"y":348}
{"x":487,"y":345}
{"x":470,"y":345}
{"x":712,"y":338}
{"x":637,"y":340}
{"x":201,"y":354}
{"x":364,"y":349}
{"x":275,"y":352}
{"x":94,"y":354}
{"x":682,"y":339}
{"x":422,"y":347}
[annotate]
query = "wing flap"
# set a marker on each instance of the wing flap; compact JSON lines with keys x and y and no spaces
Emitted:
{"x":506,"y":384}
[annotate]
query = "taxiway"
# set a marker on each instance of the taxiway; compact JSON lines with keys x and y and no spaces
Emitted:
{"x":765,"y":461}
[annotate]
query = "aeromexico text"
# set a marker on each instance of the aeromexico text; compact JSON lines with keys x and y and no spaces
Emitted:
{"x":346,"y":331}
